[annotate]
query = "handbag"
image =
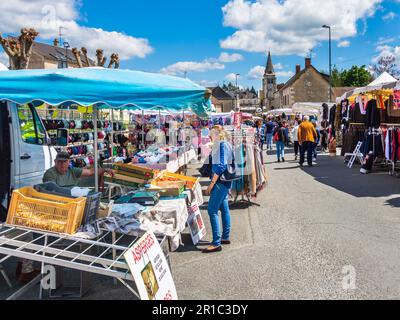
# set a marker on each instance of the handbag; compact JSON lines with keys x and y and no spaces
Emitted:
{"x":230,"y":174}
{"x":206,"y":169}
{"x":276,"y":136}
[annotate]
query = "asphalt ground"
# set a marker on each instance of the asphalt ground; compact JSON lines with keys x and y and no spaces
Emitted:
{"x":326,"y":232}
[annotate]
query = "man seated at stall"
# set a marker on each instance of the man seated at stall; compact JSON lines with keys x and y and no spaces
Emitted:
{"x":64,"y":176}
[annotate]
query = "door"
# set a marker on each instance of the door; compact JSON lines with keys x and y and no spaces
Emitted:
{"x":34,"y":155}
{"x":5,"y":159}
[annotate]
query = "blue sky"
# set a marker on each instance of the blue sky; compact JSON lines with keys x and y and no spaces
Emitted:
{"x":186,"y":35}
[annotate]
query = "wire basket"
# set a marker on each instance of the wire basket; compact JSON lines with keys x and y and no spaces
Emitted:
{"x":35,"y":210}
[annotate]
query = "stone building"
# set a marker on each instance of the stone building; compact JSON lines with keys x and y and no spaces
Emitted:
{"x":45,"y":56}
{"x":222,"y":100}
{"x":307,"y":85}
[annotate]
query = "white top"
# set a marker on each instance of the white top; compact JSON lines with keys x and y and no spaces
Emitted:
{"x":295,"y":132}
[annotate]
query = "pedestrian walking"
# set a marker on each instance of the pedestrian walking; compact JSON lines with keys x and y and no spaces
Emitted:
{"x":260,"y":130}
{"x":295,"y":132}
{"x":280,"y":140}
{"x":270,"y":127}
{"x":222,"y":155}
{"x":315,"y":145}
{"x":307,"y":136}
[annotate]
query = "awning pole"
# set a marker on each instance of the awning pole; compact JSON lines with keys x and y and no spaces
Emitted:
{"x":184,"y":143}
{"x":96,"y":150}
{"x":112,"y":135}
{"x":143,"y":129}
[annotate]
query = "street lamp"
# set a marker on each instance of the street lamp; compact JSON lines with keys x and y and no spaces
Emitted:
{"x":66,"y":46}
{"x":237,"y":92}
{"x":330,"y":61}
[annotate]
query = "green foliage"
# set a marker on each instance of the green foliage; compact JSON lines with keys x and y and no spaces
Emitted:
{"x":353,"y":77}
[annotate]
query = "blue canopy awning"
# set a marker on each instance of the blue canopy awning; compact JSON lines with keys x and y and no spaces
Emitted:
{"x":106,"y":88}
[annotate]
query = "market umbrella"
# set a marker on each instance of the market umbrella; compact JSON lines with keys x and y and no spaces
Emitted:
{"x":107,"y":88}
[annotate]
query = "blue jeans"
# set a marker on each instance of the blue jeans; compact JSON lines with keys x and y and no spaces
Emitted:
{"x":269,"y":140}
{"x":315,"y":152}
{"x":280,"y":150}
{"x":219,"y":201}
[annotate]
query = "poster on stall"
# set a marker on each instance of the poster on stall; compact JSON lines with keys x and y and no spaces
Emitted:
{"x":237,"y":120}
{"x":196,"y":223}
{"x":150,"y":269}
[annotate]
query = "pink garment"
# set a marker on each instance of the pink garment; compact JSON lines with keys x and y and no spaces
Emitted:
{"x":396,"y":99}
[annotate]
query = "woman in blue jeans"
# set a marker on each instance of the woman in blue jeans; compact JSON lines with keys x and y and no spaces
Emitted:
{"x":280,"y":134}
{"x":218,"y":190}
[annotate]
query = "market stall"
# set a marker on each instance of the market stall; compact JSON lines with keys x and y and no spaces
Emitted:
{"x":370,"y":121}
{"x":159,"y":203}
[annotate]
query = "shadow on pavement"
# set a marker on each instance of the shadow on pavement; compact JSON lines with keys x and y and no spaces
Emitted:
{"x":334,"y":173}
{"x":394,"y":203}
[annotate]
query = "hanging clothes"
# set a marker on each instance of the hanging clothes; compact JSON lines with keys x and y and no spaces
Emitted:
{"x":373,"y":118}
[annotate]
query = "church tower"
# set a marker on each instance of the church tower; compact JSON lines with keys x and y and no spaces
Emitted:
{"x":269,"y":83}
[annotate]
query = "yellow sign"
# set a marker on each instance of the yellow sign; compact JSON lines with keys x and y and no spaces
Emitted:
{"x":82,"y":109}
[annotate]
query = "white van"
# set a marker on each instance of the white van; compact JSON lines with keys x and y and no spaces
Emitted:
{"x":25,"y":151}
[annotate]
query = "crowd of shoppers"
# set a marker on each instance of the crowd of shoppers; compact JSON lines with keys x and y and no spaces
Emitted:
{"x":303,"y":134}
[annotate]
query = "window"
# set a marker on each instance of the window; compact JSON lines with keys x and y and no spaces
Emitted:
{"x":62,"y":64}
{"x":31,"y":128}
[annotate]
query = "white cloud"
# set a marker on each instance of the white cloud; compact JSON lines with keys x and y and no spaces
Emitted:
{"x":227,"y":58}
{"x":256,"y":73}
{"x":278,"y":66}
{"x":207,"y":83}
{"x":180,"y":68}
{"x":285,"y":74}
{"x":344,"y":44}
{"x":390,"y":16}
{"x":386,"y":50}
{"x":291,"y":26}
{"x":48,"y":15}
{"x":383,"y":41}
{"x":232,"y":77}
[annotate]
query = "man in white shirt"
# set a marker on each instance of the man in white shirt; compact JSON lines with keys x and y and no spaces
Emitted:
{"x":295,"y":131}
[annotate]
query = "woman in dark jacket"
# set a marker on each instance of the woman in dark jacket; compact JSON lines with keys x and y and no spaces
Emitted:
{"x":280,"y":139}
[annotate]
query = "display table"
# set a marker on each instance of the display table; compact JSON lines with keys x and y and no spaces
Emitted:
{"x":172,"y":166}
{"x":44,"y":247}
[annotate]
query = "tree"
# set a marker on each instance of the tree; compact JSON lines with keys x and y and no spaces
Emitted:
{"x":356,"y":77}
{"x":19,"y":49}
{"x":353,"y":77}
{"x":387,"y":64}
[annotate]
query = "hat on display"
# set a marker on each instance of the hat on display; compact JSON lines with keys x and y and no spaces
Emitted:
{"x":78,"y":124}
{"x":91,"y":125}
{"x":69,"y":151}
{"x":101,"y":135}
{"x":87,"y":161}
{"x":91,"y":160}
{"x":90,"y":148}
{"x":72,"y":124}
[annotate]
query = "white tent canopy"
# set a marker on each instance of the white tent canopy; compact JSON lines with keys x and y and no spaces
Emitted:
{"x":384,"y":79}
{"x":309,"y":108}
{"x":278,"y":112}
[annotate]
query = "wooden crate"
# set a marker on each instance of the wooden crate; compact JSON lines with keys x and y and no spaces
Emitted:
{"x":41,"y":211}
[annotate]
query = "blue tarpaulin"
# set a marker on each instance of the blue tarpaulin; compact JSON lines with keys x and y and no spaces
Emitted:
{"x":105,"y":88}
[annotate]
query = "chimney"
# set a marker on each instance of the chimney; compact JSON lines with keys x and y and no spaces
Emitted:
{"x":308,"y":62}
{"x":298,"y":69}
{"x":56,"y":42}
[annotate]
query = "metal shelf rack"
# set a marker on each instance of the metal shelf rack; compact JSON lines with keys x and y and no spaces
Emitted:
{"x":43,"y":247}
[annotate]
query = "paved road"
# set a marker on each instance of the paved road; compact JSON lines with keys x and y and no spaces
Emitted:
{"x":312,"y":223}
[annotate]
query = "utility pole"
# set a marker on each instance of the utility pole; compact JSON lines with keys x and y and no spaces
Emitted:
{"x":237,"y":93}
{"x":330,"y":60}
